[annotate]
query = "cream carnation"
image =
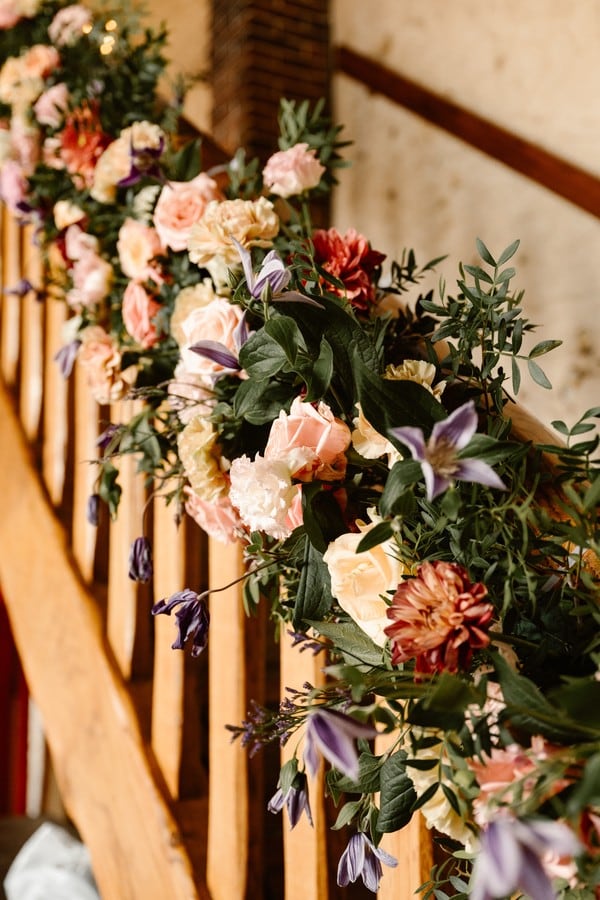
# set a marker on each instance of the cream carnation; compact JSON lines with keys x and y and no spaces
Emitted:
{"x":253,"y":223}
{"x":292,"y":171}
{"x":201,"y":458}
{"x":359,"y":581}
{"x":416,"y":370}
{"x":263,"y":493}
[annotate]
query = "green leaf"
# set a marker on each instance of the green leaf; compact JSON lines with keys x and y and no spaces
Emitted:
{"x":313,"y":597}
{"x":516,"y":375}
{"x":346,"y":814}
{"x":376,"y":535}
{"x":538,"y":374}
{"x":286,"y":333}
{"x":108,"y":488}
{"x":509,"y":252}
{"x":445,"y":703}
{"x":356,"y":646}
{"x":397,"y":796}
{"x":262,"y":356}
{"x":403,"y":474}
{"x":485,"y":253}
{"x":318,"y":375}
{"x":260,"y":401}
{"x":322,"y":517}
{"x":543,"y":347}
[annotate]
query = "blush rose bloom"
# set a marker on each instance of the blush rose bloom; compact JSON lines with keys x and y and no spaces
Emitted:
{"x":12,"y":11}
{"x":311,"y":440}
{"x":92,"y":279}
{"x":262,"y":491}
{"x":138,"y":310}
{"x":100,"y":358}
{"x":219,"y":519}
{"x":67,"y":25}
{"x":180,"y":205}
{"x":359,"y":581}
{"x":292,"y":171}
{"x":50,"y":107}
{"x":218,"y":321}
{"x":137,"y":246}
{"x":253,"y":223}
{"x":202,"y":461}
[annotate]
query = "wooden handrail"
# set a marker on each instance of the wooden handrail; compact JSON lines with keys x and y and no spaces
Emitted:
{"x":554,"y":173}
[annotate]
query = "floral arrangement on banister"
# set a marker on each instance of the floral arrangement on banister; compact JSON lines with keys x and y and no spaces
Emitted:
{"x":354,"y":429}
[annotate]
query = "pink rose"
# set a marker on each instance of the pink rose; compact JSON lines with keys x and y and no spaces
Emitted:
{"x":51,"y":106}
{"x":219,"y":519}
{"x":78,"y":242}
{"x":180,"y":205}
{"x":216,"y":321}
{"x":9,"y":13}
{"x":101,"y":360}
{"x":137,"y":246}
{"x":350,"y":259}
{"x":292,"y":171}
{"x":68,"y":24}
{"x":40,"y":60}
{"x":138,"y":310}
{"x":13,"y":186}
{"x":92,"y":279}
{"x":312,"y":440}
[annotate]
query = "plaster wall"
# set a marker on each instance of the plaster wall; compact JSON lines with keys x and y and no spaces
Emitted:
{"x":533,"y":68}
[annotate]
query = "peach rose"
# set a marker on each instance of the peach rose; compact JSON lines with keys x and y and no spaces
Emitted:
{"x":253,"y":223}
{"x":312,"y":440}
{"x":137,"y":246}
{"x":10,"y":13}
{"x":138,"y":310}
{"x":292,"y":171}
{"x":92,"y":280}
{"x":202,"y":461}
{"x":216,"y":321}
{"x":186,"y":301}
{"x":67,"y":25}
{"x":359,"y":581}
{"x":40,"y":60}
{"x":180,"y":205}
{"x":101,"y":360}
{"x":218,"y":519}
{"x":50,"y":107}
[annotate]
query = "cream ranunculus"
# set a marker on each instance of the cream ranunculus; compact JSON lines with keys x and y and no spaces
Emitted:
{"x":359,"y":581}
{"x":253,"y":223}
{"x":202,"y":461}
{"x":416,"y":370}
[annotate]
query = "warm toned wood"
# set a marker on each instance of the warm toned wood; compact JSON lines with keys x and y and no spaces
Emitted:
{"x":554,"y":173}
{"x":228,"y":774}
{"x":104,"y":774}
{"x":86,"y":429}
{"x":11,"y":303}
{"x":176,"y":727}
{"x":32,"y":342}
{"x":55,"y":403}
{"x":129,"y":620}
{"x":304,"y":846}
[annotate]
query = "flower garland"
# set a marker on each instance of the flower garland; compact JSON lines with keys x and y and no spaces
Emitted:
{"x":354,"y":432}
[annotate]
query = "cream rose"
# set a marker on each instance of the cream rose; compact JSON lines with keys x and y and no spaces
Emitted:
{"x":92,"y":279}
{"x":137,"y":246}
{"x":253,"y":223}
{"x":360,"y":580}
{"x":311,"y":440}
{"x":180,"y":205}
{"x":66,"y":213}
{"x":187,"y":300}
{"x":138,"y":310}
{"x":292,"y":171}
{"x":199,"y":452}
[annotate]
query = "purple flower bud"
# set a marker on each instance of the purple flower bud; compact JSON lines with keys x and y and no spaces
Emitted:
{"x":333,"y":734}
{"x":107,"y":436}
{"x":140,"y":560}
{"x":93,"y":508}
{"x":361,"y":859}
{"x":295,"y":799}
{"x":66,"y":356}
{"x":193,"y":618}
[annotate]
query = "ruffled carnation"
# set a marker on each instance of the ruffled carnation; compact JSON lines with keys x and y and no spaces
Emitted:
{"x":292,"y":171}
{"x":199,"y":452}
{"x":101,"y":359}
{"x":417,"y":370}
{"x":263,"y":493}
{"x":253,"y":223}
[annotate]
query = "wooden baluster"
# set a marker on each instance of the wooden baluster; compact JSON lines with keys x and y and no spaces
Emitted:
{"x":86,"y":430}
{"x":11,"y":303}
{"x":129,"y":602}
{"x":32,"y":318}
{"x":55,"y":404}
{"x":305,"y":848}
{"x":180,"y":561}
{"x":228,"y":774}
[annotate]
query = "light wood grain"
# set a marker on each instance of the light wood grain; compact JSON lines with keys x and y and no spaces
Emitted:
{"x":55,"y":404}
{"x":32,"y":320}
{"x":11,"y":304}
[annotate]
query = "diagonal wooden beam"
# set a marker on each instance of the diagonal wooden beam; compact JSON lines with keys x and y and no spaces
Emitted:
{"x":558,"y":175}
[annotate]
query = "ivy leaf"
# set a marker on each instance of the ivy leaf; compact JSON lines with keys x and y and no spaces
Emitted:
{"x":260,"y":401}
{"x":398,"y":795}
{"x":262,"y":356}
{"x":313,"y":597}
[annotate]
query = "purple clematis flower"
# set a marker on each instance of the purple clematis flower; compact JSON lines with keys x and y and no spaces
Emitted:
{"x":512,"y":855}
{"x":140,"y":560}
{"x":295,"y":799}
{"x":93,"y":509}
{"x":439,"y":456}
{"x":66,"y":356}
{"x":333,"y":734}
{"x":144,"y":164}
{"x":271,"y":279}
{"x":362,"y":858}
{"x":192,"y":617}
{"x":219,"y":353}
